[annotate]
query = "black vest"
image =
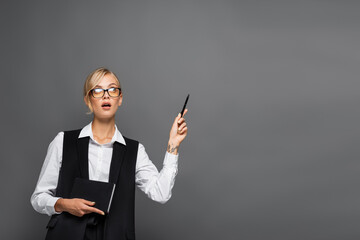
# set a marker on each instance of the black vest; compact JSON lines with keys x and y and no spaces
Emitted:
{"x":120,"y":222}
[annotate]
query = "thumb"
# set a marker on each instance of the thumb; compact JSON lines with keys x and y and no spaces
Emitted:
{"x":178,"y":117}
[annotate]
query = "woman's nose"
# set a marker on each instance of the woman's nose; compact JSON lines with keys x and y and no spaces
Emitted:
{"x":106,"y":94}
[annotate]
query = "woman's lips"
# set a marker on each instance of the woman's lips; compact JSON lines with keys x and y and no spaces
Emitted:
{"x":106,"y":107}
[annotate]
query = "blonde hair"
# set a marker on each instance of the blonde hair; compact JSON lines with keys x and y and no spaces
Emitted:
{"x":92,"y":80}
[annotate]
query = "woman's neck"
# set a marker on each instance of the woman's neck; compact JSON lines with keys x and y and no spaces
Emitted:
{"x":103,"y":130}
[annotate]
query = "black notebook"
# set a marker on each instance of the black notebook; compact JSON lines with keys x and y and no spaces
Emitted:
{"x":99,"y":192}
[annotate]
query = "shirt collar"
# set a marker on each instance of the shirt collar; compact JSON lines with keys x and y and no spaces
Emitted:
{"x":87,"y":132}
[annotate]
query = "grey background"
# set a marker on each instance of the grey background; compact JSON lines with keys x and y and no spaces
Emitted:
{"x":272,"y":150}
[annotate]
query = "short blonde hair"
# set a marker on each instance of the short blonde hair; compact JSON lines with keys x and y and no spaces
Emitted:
{"x":92,"y":80}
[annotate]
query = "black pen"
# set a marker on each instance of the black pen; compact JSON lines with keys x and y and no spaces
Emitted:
{"x":182,"y":111}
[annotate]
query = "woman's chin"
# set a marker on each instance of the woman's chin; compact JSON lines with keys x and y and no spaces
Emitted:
{"x":105,"y":115}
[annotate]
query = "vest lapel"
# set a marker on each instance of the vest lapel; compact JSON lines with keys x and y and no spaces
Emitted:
{"x":116,"y":161}
{"x":83,"y":154}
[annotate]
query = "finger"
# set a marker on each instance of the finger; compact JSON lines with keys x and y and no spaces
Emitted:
{"x":182,"y":131}
{"x":182,"y":126}
{"x":181,"y":120}
{"x":179,"y":115}
{"x":79,"y":214}
{"x":90,"y":203}
{"x":95,"y":210}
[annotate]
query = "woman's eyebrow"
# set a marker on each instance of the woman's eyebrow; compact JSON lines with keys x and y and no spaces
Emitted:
{"x":108,"y":85}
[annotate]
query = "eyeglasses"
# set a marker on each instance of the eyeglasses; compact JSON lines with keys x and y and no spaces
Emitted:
{"x":99,"y":92}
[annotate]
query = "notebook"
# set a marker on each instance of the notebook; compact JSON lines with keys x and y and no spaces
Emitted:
{"x":99,"y":192}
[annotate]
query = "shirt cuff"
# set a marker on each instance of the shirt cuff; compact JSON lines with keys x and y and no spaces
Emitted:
{"x":51,"y":205}
{"x":171,"y":159}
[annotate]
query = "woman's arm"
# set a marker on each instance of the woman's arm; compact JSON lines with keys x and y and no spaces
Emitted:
{"x":43,"y":198}
{"x":158,"y":185}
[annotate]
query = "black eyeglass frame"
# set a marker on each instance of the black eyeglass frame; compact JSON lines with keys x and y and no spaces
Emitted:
{"x":105,"y":90}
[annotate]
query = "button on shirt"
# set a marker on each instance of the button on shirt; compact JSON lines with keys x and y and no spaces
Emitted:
{"x":156,"y":185}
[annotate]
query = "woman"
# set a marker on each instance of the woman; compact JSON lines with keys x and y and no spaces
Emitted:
{"x":100,"y":152}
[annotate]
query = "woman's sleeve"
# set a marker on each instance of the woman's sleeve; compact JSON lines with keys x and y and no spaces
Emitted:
{"x":43,"y":198}
{"x":156,"y":185}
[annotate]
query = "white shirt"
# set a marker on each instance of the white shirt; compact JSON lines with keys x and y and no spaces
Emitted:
{"x":157,"y":185}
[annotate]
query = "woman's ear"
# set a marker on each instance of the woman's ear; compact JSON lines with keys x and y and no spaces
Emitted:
{"x":87,"y":103}
{"x":120,"y":100}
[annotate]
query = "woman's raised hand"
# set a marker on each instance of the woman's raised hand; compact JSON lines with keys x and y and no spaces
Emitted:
{"x":178,"y":133}
{"x":76,"y":206}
